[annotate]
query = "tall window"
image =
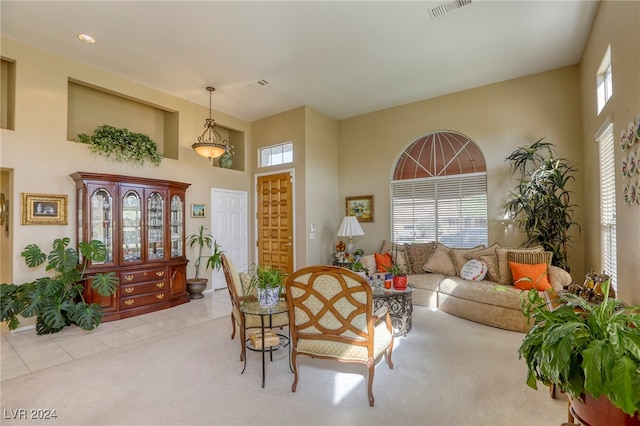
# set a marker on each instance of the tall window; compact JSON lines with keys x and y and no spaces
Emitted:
{"x":604,"y":80}
{"x":606,"y":144}
{"x":276,"y":154}
{"x":439,"y":192}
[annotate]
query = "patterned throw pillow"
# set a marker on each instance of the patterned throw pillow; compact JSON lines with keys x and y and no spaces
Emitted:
{"x":504,"y":274}
{"x":491,"y":260}
{"x":458,"y":256}
{"x":441,"y":261}
{"x":418,"y":255}
{"x":473,"y":270}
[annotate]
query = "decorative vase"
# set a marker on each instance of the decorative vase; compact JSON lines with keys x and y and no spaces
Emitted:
{"x":400,"y":282}
{"x":225,"y":160}
{"x":195,"y":287}
{"x":268,"y":297}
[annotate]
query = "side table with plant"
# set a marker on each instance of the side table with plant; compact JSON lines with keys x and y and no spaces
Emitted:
{"x":196,"y":285}
{"x":591,"y":351}
{"x":57,"y":301}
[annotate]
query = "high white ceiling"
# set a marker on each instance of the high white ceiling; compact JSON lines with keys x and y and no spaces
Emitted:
{"x":340,"y":58}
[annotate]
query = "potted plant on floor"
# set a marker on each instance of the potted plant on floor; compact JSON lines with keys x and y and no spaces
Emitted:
{"x":267,"y":282}
{"x":540,"y":203}
{"x":57,"y":300}
{"x":589,"y":351}
{"x":196,"y":285}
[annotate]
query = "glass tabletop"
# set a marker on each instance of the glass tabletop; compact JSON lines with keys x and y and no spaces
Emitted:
{"x":254,"y":308}
{"x":388,"y":292}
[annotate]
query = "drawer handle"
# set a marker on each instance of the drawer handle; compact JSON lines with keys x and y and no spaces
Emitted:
{"x":160,"y":284}
{"x":160,"y":273}
{"x":128,"y":290}
{"x":128,"y":277}
{"x":160,"y":296}
{"x":129,"y":302}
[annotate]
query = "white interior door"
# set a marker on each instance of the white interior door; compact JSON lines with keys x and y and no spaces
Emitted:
{"x":229,"y":228}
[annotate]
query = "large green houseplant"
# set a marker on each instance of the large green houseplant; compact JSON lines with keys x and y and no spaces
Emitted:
{"x":541,"y":203}
{"x":57,"y":300}
{"x":202,"y":240}
{"x":584,"y":348}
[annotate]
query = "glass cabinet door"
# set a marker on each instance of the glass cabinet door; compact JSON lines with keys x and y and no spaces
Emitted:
{"x":101,"y":221}
{"x":177,"y":226}
{"x":155,"y":221}
{"x":131,"y":227}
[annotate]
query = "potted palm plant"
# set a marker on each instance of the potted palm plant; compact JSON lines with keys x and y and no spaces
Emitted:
{"x":57,"y":301}
{"x":266,"y":281}
{"x":591,"y":351}
{"x":200,"y":240}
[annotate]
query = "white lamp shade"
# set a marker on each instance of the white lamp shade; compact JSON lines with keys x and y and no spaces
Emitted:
{"x":350,"y":227}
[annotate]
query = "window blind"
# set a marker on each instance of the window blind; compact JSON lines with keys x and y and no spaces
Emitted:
{"x":451,"y":210}
{"x":608,"y":203}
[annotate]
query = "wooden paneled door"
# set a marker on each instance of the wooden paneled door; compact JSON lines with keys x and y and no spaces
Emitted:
{"x":275,"y":221}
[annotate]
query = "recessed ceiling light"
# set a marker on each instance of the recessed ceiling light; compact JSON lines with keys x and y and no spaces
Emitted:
{"x":86,"y":38}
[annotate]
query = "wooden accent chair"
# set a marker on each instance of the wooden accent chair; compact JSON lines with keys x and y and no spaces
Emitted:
{"x":330,"y":311}
{"x":237,"y":294}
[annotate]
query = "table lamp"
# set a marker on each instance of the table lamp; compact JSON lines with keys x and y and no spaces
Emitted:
{"x":350,"y":227}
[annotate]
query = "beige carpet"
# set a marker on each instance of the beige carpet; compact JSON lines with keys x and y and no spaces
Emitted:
{"x":448,"y":371}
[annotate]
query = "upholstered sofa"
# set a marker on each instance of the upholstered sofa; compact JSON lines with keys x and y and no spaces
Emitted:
{"x":494,"y":299}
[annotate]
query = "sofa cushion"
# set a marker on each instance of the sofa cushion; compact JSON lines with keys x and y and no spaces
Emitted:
{"x":458,"y":256}
{"x":369,"y":264}
{"x":418,"y":255}
{"x":474,"y":270}
{"x":390,"y":246}
{"x":504,"y":274}
{"x":527,"y":276}
{"x":493,"y":273}
{"x":529,"y":259}
{"x":484,"y":251}
{"x":425,"y":281}
{"x":441,"y":261}
{"x":486,"y":292}
{"x":383,"y":261}
{"x":559,"y":278}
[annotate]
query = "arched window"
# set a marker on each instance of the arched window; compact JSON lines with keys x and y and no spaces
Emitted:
{"x":439,"y":192}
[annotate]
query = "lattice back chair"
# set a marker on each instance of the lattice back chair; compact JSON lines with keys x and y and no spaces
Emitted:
{"x":237,"y":287}
{"x":331,"y":316}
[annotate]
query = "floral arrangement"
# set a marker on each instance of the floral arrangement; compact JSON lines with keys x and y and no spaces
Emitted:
{"x":122,"y":144}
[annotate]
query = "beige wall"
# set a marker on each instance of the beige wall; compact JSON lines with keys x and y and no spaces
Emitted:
{"x":616,"y":23}
{"x":498,"y":118}
{"x":42,"y":158}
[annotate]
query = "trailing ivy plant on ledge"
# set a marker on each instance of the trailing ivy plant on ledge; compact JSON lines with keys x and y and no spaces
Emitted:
{"x":122,"y":144}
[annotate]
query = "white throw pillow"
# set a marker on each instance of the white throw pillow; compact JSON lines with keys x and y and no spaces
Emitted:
{"x":474,"y":270}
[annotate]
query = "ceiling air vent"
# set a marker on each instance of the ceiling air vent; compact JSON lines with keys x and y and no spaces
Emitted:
{"x":443,"y":9}
{"x":258,"y":83}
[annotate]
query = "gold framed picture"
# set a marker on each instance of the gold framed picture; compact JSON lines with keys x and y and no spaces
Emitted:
{"x":44,"y":209}
{"x":361,"y":207}
{"x":198,"y":210}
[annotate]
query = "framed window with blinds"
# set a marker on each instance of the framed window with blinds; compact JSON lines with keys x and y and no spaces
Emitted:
{"x":449,"y":209}
{"x":606,"y":148}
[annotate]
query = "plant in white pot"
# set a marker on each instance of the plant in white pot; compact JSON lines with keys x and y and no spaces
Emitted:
{"x":196,"y":285}
{"x":267,"y":282}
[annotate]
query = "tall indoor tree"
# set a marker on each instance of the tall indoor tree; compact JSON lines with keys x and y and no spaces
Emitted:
{"x":541,"y":203}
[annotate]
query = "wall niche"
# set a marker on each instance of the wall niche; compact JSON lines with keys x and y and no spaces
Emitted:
{"x":90,"y":106}
{"x":7,"y":93}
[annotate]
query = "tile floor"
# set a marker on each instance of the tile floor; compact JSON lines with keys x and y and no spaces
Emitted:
{"x":23,"y":352}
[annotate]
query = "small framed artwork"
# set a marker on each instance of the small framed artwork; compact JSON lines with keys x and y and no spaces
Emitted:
{"x":198,"y":210}
{"x":44,"y":209}
{"x":361,"y":207}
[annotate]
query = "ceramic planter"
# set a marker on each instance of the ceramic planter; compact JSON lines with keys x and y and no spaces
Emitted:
{"x":400,"y":282}
{"x":268,"y":297}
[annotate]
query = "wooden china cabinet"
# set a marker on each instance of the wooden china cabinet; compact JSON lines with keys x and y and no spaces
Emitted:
{"x":141,"y":222}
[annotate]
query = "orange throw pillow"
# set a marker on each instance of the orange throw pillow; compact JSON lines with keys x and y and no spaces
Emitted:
{"x":526,"y":277}
{"x":383,"y":261}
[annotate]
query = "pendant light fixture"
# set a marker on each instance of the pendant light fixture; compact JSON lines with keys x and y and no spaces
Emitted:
{"x":210,"y":144}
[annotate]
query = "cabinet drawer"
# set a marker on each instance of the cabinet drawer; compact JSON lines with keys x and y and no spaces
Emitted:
{"x":144,"y":300}
{"x":136,"y":289}
{"x":141,"y":276}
